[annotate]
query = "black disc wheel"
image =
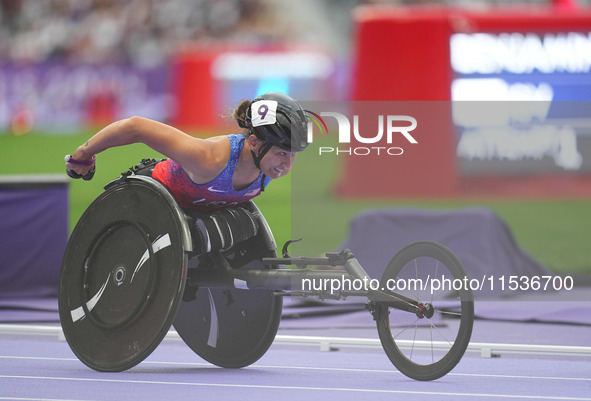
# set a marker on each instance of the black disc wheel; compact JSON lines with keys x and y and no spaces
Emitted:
{"x":123,"y":275}
{"x":231,"y":327}
{"x":428,"y":342}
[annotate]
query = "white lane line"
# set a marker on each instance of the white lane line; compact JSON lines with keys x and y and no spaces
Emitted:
{"x":37,"y":399}
{"x":265,"y":387}
{"x":353,"y":370}
{"x":40,"y":358}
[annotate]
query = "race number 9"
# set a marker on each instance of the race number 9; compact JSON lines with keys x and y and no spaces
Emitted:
{"x":262,"y":111}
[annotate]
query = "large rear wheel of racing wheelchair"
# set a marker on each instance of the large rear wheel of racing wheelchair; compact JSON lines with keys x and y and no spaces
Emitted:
{"x":123,"y":274}
{"x":429,"y":344}
{"x":232,"y":327}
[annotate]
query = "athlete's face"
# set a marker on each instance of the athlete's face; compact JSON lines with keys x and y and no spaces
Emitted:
{"x":277,"y":162}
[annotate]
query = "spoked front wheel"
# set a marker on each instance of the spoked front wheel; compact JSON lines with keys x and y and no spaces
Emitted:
{"x":429,"y":342}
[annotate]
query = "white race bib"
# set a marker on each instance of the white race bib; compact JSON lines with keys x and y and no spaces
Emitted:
{"x":263,"y":112}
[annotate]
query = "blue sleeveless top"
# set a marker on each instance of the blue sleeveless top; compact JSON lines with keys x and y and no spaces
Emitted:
{"x":217,"y":193}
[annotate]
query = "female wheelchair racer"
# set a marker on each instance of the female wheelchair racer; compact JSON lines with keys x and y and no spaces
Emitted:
{"x":215,"y":173}
{"x":222,"y":171}
{"x":125,"y":276}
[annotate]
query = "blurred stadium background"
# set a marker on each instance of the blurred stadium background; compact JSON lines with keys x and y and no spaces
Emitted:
{"x":68,"y":67}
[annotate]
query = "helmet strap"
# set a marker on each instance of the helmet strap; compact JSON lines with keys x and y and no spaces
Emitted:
{"x":257,"y":160}
{"x":263,"y":178}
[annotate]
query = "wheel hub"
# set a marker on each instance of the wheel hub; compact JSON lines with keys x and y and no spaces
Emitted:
{"x":425,"y":310}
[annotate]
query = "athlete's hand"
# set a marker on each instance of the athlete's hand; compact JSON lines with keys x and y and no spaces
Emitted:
{"x":80,"y":168}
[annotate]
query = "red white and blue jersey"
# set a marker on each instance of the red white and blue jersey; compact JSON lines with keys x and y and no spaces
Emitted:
{"x":217,"y":193}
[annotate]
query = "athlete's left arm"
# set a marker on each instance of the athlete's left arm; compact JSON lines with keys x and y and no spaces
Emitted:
{"x":192,"y":153}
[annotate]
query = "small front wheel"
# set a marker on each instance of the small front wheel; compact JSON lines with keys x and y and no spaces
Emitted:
{"x":426,"y":345}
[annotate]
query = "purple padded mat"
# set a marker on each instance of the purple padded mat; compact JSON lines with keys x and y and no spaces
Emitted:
{"x":29,"y":310}
{"x":480,"y":239}
{"x":33,"y":237}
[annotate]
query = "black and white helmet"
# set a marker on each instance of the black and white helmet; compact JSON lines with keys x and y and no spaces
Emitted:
{"x":279,"y":120}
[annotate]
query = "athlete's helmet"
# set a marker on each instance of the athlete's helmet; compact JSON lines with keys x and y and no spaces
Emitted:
{"x":279,"y":120}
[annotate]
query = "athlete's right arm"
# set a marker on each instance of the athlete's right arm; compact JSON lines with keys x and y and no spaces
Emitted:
{"x":193,"y":154}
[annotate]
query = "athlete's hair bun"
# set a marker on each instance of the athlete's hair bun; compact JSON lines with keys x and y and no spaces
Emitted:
{"x":240,"y":113}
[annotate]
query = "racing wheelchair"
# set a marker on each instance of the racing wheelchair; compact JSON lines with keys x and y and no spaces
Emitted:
{"x":137,"y":264}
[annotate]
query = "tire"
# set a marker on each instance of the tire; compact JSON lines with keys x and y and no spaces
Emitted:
{"x":426,"y":347}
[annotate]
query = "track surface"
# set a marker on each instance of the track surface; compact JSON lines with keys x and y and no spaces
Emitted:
{"x":41,"y":368}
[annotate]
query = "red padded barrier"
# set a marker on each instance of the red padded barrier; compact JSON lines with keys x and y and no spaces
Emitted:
{"x":195,"y":90}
